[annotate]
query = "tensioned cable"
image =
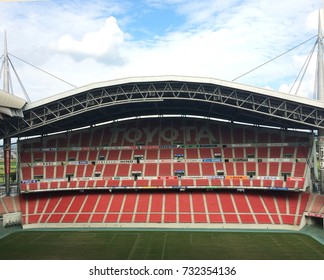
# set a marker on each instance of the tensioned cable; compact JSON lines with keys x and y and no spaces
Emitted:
{"x":19,"y":81}
{"x":303,"y":70}
{"x":43,"y":71}
{"x":273,"y":58}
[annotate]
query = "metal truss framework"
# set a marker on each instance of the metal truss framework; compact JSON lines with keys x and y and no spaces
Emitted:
{"x":284,"y":112}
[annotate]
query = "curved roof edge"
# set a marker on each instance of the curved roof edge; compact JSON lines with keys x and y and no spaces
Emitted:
{"x":176,"y":78}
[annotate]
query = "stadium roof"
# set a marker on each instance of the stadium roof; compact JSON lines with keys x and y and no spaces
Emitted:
{"x":10,"y":105}
{"x":163,"y":95}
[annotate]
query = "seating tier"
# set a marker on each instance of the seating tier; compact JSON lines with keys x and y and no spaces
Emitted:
{"x":165,"y":207}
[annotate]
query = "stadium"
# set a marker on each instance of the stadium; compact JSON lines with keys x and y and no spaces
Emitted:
{"x":159,"y":154}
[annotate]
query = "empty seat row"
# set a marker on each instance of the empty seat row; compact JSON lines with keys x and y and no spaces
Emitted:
{"x":9,"y":204}
{"x":249,"y":169}
{"x":183,"y":207}
{"x":299,"y":152}
{"x":315,"y":204}
{"x":163,"y":183}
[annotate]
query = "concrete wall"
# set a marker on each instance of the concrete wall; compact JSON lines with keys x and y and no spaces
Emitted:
{"x":12,"y":219}
{"x":163,"y":226}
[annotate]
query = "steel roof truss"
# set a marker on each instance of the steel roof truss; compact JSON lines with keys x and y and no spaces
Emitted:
{"x":34,"y":116}
{"x":16,"y":127}
{"x":168,"y":90}
{"x":198,"y":91}
{"x":295,"y":114}
{"x":91,"y":100}
{"x":209,"y":96}
{"x":240,"y":100}
{"x":270,"y":106}
{"x":264,"y":103}
{"x":152,"y":92}
{"x":310,"y":115}
{"x":217,"y":94}
{"x":137,"y":91}
{"x":279,"y":110}
{"x":112,"y":97}
{"x":48,"y":111}
{"x":183,"y":90}
{"x":75,"y":103}
{"x":62,"y":109}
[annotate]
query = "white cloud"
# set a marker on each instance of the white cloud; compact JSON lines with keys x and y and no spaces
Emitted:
{"x":92,"y":41}
{"x":102,"y":43}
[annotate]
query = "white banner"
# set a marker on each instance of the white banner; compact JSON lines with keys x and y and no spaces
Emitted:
{"x":162,"y":270}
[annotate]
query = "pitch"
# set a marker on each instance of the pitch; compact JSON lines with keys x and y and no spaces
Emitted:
{"x":159,"y":245}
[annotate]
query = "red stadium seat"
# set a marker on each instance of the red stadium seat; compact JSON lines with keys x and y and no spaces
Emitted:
{"x":230,"y":174}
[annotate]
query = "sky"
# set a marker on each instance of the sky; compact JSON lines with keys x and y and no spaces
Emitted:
{"x":82,"y":42}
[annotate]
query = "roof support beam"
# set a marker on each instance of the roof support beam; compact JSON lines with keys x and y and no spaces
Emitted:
{"x":243,"y":103}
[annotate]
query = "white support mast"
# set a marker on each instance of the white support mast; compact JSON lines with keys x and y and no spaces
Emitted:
{"x":12,"y":111}
{"x":320,"y":96}
{"x":5,"y":66}
{"x":6,"y":141}
{"x":320,"y":65}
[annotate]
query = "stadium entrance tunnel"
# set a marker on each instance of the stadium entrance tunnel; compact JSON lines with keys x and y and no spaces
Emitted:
{"x":316,"y":221}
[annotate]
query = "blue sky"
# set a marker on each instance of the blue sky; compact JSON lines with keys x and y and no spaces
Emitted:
{"x":90,"y":41}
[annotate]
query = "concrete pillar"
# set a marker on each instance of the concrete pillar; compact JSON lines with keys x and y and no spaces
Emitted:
{"x":321,"y":158}
{"x":7,"y":160}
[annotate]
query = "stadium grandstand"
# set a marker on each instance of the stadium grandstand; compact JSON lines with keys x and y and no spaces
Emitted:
{"x":164,"y":152}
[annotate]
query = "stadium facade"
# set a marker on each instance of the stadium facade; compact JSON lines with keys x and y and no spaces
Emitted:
{"x":167,"y":151}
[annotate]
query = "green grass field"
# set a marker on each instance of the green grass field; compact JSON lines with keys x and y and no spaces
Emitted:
{"x":158,"y":245}
{"x":12,"y":169}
